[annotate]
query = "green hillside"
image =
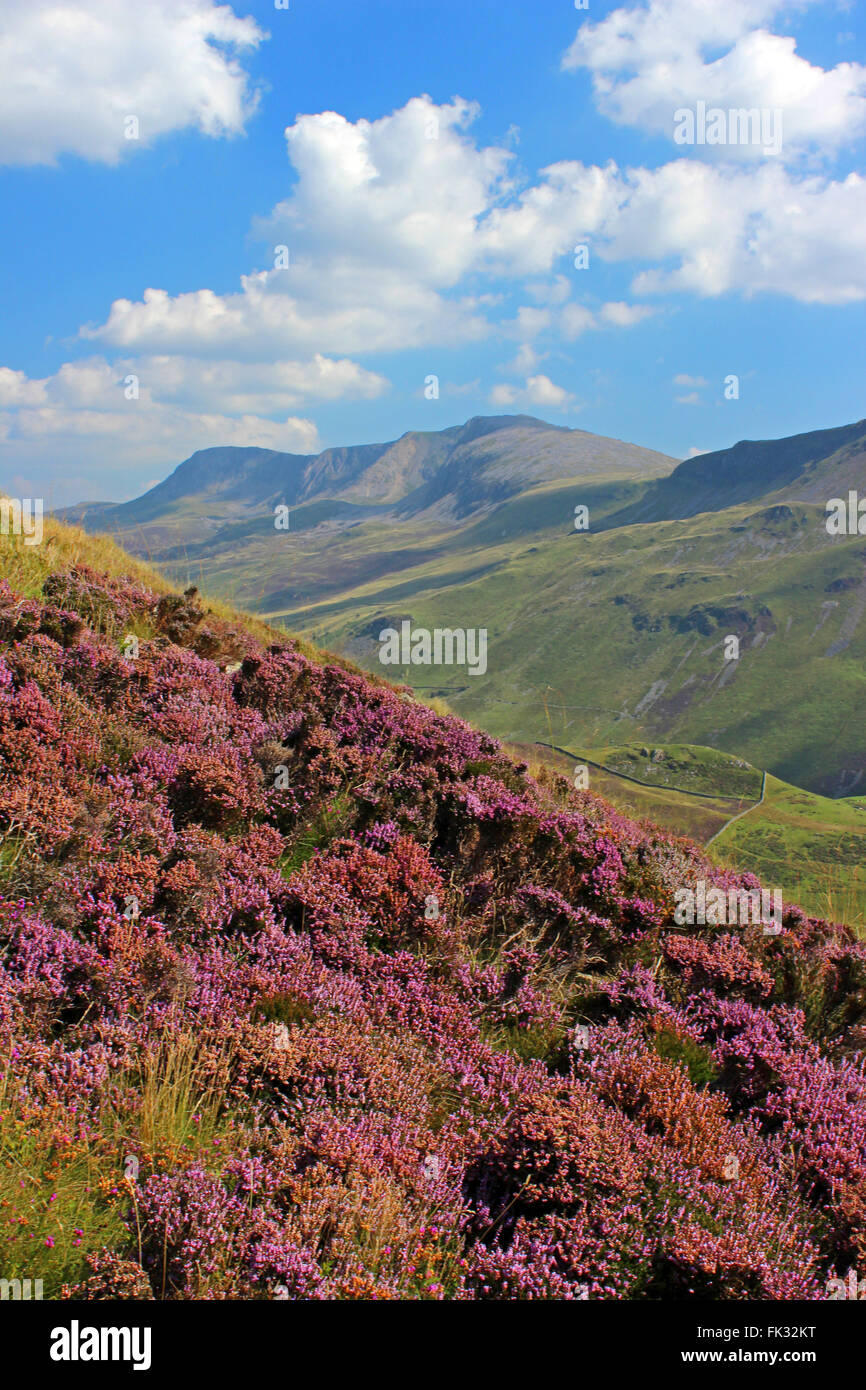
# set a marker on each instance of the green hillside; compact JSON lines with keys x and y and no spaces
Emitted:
{"x":615,"y":638}
{"x":809,"y":846}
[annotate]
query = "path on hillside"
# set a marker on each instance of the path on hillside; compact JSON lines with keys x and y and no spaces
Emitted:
{"x":740,"y":815}
{"x":655,"y":786}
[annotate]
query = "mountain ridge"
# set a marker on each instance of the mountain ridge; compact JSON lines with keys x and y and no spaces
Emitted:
{"x":608,"y":636}
{"x":746,"y":471}
{"x":390,"y":473}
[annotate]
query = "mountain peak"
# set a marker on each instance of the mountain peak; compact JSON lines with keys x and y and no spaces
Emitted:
{"x":459,"y":470}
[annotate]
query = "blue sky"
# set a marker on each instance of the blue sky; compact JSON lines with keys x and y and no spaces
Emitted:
{"x":442,"y":162}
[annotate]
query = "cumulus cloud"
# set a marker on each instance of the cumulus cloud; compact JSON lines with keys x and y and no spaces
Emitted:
{"x":649,"y":60}
{"x":393,"y":224}
{"x":525,"y":360}
{"x":227,"y":386}
{"x":709,"y":229}
{"x":136,"y":412}
{"x":382,"y":224}
{"x":537,"y":390}
{"x":261,"y":388}
{"x":92,"y":409}
{"x":576,"y":319}
{"x":73,"y":71}
{"x":623,"y":315}
{"x":100,"y":454}
{"x":386,"y":223}
{"x":404,"y":233}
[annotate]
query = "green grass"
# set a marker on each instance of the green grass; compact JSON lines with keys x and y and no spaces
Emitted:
{"x":683,"y":767}
{"x":63,"y":1190}
{"x":318,"y":831}
{"x":26,"y":567}
{"x":810,"y":846}
{"x":608,"y":639}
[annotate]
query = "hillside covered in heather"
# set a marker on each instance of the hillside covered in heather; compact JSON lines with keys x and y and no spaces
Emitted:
{"x":307,"y":991}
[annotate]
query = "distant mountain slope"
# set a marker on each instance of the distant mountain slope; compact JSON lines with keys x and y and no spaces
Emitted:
{"x":618,"y":636}
{"x":609,"y":636}
{"x":455,"y":473}
{"x":806,"y":467}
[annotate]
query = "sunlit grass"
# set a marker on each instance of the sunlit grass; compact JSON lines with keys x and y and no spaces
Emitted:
{"x":64,"y":1180}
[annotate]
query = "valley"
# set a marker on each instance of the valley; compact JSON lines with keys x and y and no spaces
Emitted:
{"x":609,"y":638}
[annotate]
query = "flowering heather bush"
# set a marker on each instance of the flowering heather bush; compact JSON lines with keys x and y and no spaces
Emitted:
{"x":309,"y":992}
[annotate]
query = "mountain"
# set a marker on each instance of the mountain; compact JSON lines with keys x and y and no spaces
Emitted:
{"x":606,"y":637}
{"x":450,"y":474}
{"x":310,"y":992}
{"x":803,"y":468}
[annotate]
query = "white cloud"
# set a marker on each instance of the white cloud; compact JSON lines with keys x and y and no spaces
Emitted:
{"x":16,"y":388}
{"x":529,"y":322}
{"x":71,"y":74}
{"x":382,"y":224}
{"x":389,"y":230}
{"x":82,"y":412}
{"x":227,"y":387}
{"x":538,"y":391}
{"x":555,"y":291}
{"x":384,"y":227}
{"x":683,"y":379}
{"x":649,"y":60}
{"x":183,"y":404}
{"x":120,"y":449}
{"x":401,"y":192}
{"x":691,"y":399}
{"x":262,"y":388}
{"x":525,"y":360}
{"x":576,"y":319}
{"x":330,"y":309}
{"x":710,"y":229}
{"x":547,"y":220}
{"x":623,"y":315}
{"x":147,"y":429}
{"x":400,"y":240}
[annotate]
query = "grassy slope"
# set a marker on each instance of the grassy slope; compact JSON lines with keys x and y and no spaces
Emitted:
{"x":682,"y":813}
{"x":27,"y":567}
{"x":780,"y":707}
{"x":656,"y":603}
{"x":809,"y":846}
